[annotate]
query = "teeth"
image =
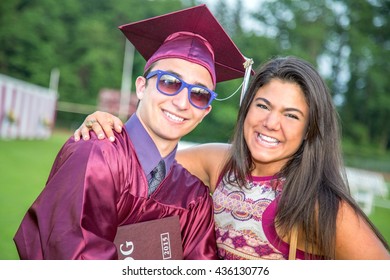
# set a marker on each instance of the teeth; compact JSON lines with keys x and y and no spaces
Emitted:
{"x":173,"y":117}
{"x":268,"y":139}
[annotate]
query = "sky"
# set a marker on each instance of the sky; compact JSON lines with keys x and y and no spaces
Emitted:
{"x":249,"y":5}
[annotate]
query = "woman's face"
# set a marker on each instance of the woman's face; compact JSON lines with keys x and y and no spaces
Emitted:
{"x":275,"y":125}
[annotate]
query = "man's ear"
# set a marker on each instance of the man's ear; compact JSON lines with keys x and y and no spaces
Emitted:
{"x":140,"y":85}
{"x":206,"y":112}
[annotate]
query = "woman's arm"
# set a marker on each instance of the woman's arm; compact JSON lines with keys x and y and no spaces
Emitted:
{"x":354,"y":238}
{"x":205,"y":161}
{"x":101,"y":123}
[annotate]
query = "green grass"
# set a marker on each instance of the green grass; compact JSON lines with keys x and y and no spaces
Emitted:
{"x":24,"y":168}
{"x":380,"y":217}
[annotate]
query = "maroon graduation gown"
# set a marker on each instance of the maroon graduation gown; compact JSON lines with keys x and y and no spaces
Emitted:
{"x":94,"y":187}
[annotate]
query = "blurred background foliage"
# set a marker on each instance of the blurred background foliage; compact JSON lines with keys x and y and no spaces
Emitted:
{"x":347,"y":40}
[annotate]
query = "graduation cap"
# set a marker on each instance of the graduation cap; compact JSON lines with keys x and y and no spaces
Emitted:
{"x":193,"y":34}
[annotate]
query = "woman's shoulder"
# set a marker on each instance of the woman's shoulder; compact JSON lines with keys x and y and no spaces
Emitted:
{"x":204,"y":161}
{"x":355,"y":239}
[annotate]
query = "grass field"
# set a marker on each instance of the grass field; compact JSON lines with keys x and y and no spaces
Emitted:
{"x":24,"y":167}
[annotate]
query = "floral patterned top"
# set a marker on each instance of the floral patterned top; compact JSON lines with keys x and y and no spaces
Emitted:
{"x":244,"y":221}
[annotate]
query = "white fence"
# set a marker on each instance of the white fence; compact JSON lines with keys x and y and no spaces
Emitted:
{"x":366,"y":186}
{"x":27,"y":111}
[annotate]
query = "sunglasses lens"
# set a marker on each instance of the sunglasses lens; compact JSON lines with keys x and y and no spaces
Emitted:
{"x":169,"y":84}
{"x":200,"y":97}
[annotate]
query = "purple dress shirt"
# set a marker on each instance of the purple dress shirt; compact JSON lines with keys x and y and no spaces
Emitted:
{"x":147,"y":152}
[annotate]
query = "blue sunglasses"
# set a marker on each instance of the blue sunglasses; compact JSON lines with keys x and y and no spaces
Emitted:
{"x":169,"y":84}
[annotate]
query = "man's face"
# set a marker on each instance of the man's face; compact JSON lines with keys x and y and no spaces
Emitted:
{"x":168,"y":118}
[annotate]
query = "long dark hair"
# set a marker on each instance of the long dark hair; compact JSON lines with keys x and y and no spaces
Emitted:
{"x":315,"y":181}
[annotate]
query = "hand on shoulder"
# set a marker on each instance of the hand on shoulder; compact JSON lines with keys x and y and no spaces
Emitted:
{"x":102,"y":124}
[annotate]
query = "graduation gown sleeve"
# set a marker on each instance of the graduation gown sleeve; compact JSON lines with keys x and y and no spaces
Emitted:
{"x":75,"y":216}
{"x":199,"y":231}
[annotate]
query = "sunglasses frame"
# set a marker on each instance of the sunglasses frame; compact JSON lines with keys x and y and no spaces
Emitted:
{"x":160,"y":73}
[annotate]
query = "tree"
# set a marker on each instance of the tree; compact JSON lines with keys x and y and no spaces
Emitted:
{"x":349,"y":42}
{"x":366,"y":109}
{"x":80,"y":38}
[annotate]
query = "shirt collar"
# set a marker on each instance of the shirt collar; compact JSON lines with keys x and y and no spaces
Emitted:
{"x":146,"y":150}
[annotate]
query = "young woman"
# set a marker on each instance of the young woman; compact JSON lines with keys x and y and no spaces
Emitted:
{"x":282,"y":170}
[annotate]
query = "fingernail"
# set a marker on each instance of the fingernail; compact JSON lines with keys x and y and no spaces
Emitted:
{"x":119,"y":128}
{"x":76,"y":138}
{"x":112,"y":138}
{"x":85,"y":137}
{"x":100,"y":135}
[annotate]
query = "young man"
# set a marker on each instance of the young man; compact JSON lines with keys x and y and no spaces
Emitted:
{"x":96,"y":186}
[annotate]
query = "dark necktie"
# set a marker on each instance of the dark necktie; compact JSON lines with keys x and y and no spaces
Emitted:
{"x":157,"y":175}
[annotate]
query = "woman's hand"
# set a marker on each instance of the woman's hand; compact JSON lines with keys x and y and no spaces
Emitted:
{"x":101,"y":123}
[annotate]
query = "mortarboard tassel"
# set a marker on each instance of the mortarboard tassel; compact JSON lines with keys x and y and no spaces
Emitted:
{"x":248,"y":69}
